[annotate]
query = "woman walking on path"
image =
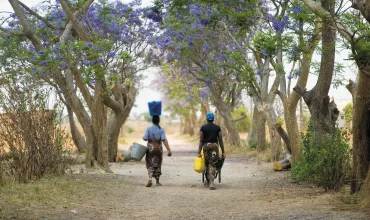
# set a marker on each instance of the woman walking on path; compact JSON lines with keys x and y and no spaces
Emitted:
{"x":155,"y":135}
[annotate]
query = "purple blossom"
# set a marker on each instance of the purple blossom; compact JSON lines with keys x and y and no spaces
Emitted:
{"x":290,"y":77}
{"x":89,"y":44}
{"x":204,"y":22}
{"x":86,"y":62}
{"x":195,"y":9}
{"x":63,"y":65}
{"x":60,"y":91}
{"x":100,"y":60}
{"x":204,"y":92}
{"x":279,"y":26}
{"x":205,"y":47}
{"x":34,"y":70}
{"x":7,"y":68}
{"x":264,"y":53}
{"x":297,"y":10}
{"x":34,"y":58}
{"x":41,"y":52}
{"x":111,"y":54}
{"x":259,"y":72}
{"x":44,"y":62}
{"x":293,"y":51}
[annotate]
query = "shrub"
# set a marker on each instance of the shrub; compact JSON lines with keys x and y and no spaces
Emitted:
{"x":130,"y":130}
{"x":31,"y":140}
{"x":326,"y":164}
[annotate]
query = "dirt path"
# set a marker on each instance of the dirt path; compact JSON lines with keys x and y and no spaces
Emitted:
{"x":249,"y":190}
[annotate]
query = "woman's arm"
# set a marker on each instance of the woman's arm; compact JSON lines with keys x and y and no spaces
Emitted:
{"x":146,"y":134}
{"x":165,"y":142}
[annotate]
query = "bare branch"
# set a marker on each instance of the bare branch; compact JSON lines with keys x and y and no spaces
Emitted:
{"x":48,"y":24}
{"x":13,"y":32}
{"x":281,"y":95}
{"x":29,"y":32}
{"x":73,"y":18}
{"x":299,"y":90}
{"x":240,"y":118}
{"x":351,"y":87}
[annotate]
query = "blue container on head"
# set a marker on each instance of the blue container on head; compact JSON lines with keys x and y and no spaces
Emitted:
{"x":155,"y":108}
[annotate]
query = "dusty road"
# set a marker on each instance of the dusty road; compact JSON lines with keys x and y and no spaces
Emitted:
{"x":249,"y":190}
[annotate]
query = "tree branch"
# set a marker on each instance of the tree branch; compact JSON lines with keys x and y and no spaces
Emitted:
{"x":351,"y":87}
{"x":72,"y":17}
{"x":29,"y":32}
{"x":240,"y":118}
{"x":48,"y":24}
{"x":12,"y":32}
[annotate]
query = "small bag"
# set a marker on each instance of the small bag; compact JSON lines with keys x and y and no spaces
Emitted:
{"x":199,"y":165}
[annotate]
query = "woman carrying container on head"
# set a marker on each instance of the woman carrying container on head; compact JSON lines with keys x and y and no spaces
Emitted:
{"x":155,"y":135}
{"x":210,"y":137}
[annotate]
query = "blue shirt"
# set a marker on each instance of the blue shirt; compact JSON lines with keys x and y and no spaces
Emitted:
{"x":154,"y":133}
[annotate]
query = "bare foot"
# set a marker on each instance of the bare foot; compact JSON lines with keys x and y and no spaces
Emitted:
{"x":149,"y":183}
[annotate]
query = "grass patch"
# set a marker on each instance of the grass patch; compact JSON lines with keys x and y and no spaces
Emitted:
{"x":56,"y":194}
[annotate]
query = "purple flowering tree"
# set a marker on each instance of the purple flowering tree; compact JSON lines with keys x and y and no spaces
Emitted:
{"x":184,"y":96}
{"x":91,"y":54}
{"x":194,"y":36}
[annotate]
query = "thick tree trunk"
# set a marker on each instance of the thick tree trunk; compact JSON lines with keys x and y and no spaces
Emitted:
{"x":360,"y":95}
{"x":275,"y":140}
{"x":292,"y":129}
{"x":118,"y":119}
{"x":99,"y":116}
{"x":323,"y":112}
{"x":253,"y":134}
{"x":233,"y":136}
{"x":78,"y":139}
{"x":115,"y":123}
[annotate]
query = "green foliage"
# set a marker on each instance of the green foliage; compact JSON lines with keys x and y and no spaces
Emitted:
{"x":130,"y":130}
{"x":326,"y":164}
{"x":348,"y":112}
{"x":147,"y":116}
{"x":252,"y":144}
{"x":244,"y":124}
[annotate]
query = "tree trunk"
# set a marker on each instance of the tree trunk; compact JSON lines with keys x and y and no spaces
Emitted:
{"x":115,"y":123}
{"x":233,"y":136}
{"x":275,"y":140}
{"x":252,"y":136}
{"x":78,"y":139}
{"x":323,"y":112}
{"x":360,"y":96}
{"x":292,"y":129}
{"x":99,"y":116}
{"x":118,"y":119}
{"x":301,"y":118}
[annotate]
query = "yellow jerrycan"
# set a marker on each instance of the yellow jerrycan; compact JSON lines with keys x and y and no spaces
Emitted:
{"x":199,"y":165}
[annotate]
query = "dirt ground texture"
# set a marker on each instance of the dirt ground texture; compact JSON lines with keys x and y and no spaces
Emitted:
{"x":250,"y":189}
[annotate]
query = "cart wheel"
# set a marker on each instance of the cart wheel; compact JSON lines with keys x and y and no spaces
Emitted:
{"x":203,"y":177}
{"x":219,"y":176}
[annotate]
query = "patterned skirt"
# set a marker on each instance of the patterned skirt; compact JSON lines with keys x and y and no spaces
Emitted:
{"x":211,"y":158}
{"x":153,"y":159}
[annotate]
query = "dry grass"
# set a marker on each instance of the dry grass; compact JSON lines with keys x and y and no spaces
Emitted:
{"x":57,"y":195}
